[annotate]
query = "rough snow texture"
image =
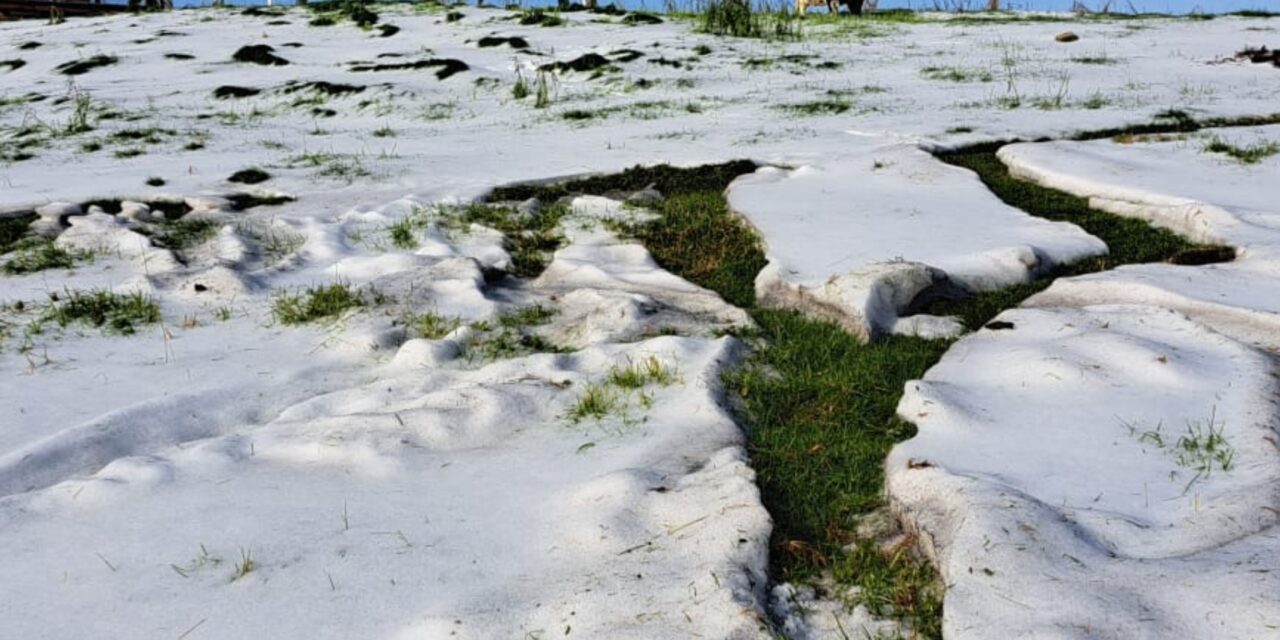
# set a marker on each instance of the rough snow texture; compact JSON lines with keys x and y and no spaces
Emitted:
{"x":857,"y":238}
{"x":393,"y":486}
{"x":1107,"y":466}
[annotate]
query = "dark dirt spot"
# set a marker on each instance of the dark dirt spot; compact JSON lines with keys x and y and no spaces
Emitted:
{"x":242,"y":201}
{"x":999,"y":325}
{"x":232,"y":91}
{"x":327,"y":88}
{"x":252,"y":175}
{"x":155,"y":182}
{"x":540,"y":17}
{"x":292,"y":45}
{"x":13,"y":226}
{"x":263,"y":11}
{"x":322,"y":112}
{"x":641,"y":18}
{"x":625,"y":55}
{"x":1260,"y":55}
{"x":515,"y":42}
{"x":165,"y":33}
{"x":454,"y":16}
{"x":278,"y":23}
{"x":610,"y":9}
{"x":13,"y":64}
{"x":78,"y":67}
{"x":448,"y":66}
{"x":179,"y":56}
{"x":27,"y":46}
{"x":667,"y":62}
{"x":387,"y":30}
{"x":585,"y":62}
{"x":1203,"y":255}
{"x":259,"y":54}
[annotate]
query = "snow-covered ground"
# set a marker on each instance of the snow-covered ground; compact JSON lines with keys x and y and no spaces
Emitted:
{"x":391,"y":486}
{"x":1108,"y":465}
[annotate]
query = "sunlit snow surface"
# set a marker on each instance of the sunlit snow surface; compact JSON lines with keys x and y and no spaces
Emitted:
{"x":1064,"y":464}
{"x":394,"y":489}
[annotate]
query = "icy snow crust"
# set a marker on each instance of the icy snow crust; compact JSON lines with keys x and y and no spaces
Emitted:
{"x":390,"y":486}
{"x":1063,"y":475}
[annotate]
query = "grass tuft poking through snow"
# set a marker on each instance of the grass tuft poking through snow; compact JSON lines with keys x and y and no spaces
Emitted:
{"x":37,"y":254}
{"x":1251,"y":154}
{"x":182,"y":234}
{"x":245,"y":566}
{"x":621,"y":387}
{"x":513,"y":336}
{"x":320,"y":303}
{"x":649,"y":371}
{"x":596,"y":403}
{"x":113,"y":312}
{"x":430,"y":325}
{"x":529,"y":238}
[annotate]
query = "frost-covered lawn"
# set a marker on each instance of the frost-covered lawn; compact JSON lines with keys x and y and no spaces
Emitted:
{"x":270,"y":368}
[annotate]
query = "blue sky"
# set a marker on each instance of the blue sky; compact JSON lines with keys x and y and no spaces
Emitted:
{"x":1156,"y":6}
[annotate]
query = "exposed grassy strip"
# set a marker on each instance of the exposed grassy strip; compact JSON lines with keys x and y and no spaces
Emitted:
{"x":1130,"y":240}
{"x":818,"y":404}
{"x":1176,"y":121}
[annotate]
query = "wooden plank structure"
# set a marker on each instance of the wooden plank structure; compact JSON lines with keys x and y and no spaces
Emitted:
{"x":57,"y":9}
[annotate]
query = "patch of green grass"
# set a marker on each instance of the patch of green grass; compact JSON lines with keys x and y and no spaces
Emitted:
{"x":957,"y":74}
{"x":540,"y":17}
{"x":820,"y":407}
{"x":512,"y":338}
{"x":38,"y":254}
{"x":319,"y":303}
{"x":529,"y":239}
{"x":831,"y":106}
{"x":274,"y":241}
{"x":597,"y":402}
{"x":896,"y":585}
{"x":531,"y":316}
{"x":694,"y":234}
{"x":1251,"y":154}
{"x":13,"y":228}
{"x":338,"y":166}
{"x":430,"y":325}
{"x":404,"y":234}
{"x":113,"y":312}
{"x":182,"y":234}
{"x":637,"y":375}
{"x":738,"y":18}
{"x":1097,"y":59}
